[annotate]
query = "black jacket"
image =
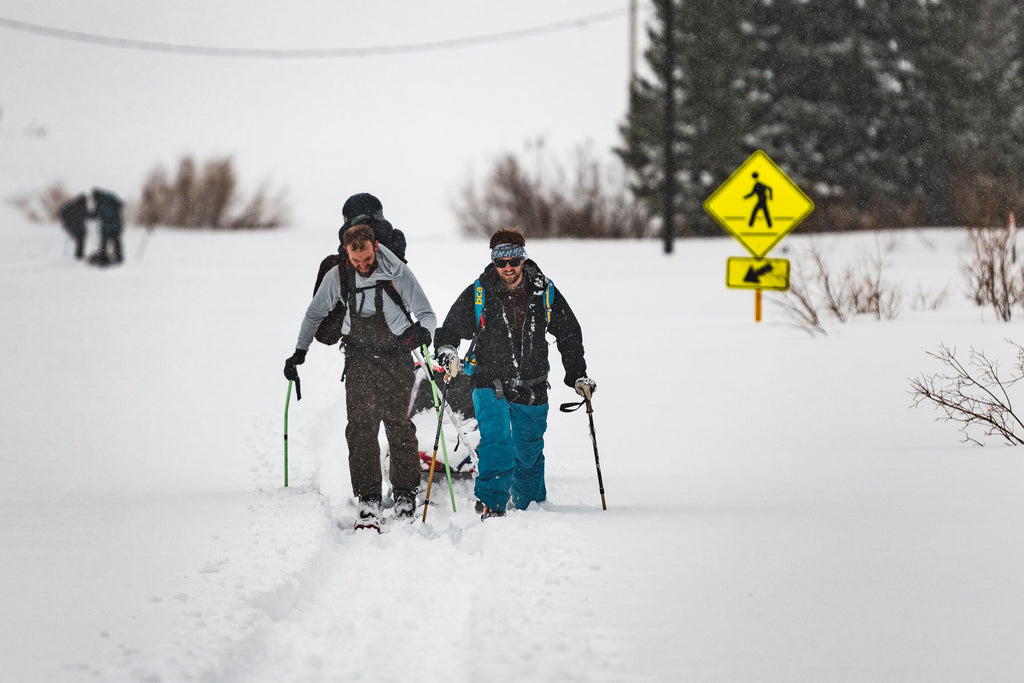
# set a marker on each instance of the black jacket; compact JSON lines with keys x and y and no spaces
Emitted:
{"x":109,"y":209}
{"x":513,"y":359}
{"x":73,"y":215}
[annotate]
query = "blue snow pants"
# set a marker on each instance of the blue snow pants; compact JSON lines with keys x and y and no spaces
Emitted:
{"x":511,"y":451}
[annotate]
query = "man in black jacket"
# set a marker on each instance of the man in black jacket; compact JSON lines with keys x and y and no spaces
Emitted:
{"x":506,"y":314}
{"x":109,"y":208}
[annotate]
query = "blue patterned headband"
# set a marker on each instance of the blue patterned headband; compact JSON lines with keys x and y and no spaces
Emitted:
{"x":507,"y":250}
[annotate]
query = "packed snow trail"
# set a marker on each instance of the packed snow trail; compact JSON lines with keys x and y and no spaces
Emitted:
{"x":456,"y":598}
{"x":438,"y":601}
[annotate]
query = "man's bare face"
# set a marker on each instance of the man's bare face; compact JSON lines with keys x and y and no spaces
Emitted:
{"x":363,"y":255}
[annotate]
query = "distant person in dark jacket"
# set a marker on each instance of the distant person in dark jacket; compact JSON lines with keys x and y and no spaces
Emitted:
{"x":110,"y":210}
{"x":72,"y":217}
{"x":508,"y":311}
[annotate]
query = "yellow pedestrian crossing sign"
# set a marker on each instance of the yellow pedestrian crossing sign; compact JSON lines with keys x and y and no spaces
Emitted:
{"x":758,"y":204}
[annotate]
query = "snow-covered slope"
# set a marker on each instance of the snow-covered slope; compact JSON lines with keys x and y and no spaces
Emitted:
{"x":776,"y":512}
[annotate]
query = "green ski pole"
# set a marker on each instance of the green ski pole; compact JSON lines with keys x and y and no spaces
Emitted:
{"x":439,"y":405}
{"x":433,"y":458}
{"x":287,"y":400}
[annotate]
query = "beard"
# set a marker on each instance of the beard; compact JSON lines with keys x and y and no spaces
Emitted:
{"x":512,"y":279}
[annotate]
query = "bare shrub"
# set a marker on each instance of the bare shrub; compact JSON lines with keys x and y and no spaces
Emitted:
{"x":927,"y":301}
{"x":992,"y":277}
{"x":43,"y":206}
{"x":798,"y":303}
{"x":833,"y":292}
{"x":196,"y":197}
{"x":973,"y":395}
{"x":869,"y":292}
{"x":264,"y":209}
{"x":861,"y":289}
{"x":586,"y":202}
{"x":204,"y":198}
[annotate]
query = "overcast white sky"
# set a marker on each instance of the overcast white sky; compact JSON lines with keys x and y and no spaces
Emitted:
{"x":408,"y":127}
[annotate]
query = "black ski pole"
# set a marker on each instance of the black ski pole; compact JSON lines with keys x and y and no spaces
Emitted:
{"x":570,"y":407}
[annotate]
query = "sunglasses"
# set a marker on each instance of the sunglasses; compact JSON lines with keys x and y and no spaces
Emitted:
{"x":505,"y":262}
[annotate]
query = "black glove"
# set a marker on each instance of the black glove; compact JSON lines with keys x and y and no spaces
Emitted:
{"x":414,"y":337}
{"x":297,"y":358}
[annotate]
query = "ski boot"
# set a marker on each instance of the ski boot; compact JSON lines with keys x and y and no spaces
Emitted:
{"x":369,"y":514}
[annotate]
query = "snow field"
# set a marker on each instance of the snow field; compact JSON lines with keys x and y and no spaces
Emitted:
{"x":776,"y":512}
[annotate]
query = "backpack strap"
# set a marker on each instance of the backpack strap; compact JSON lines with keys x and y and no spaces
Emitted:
{"x":392,"y":292}
{"x":549,"y":297}
{"x":478,"y":303}
{"x":469,"y":363}
{"x":380,"y":286}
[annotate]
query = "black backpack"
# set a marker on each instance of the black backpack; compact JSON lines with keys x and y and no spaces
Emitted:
{"x":329,"y":331}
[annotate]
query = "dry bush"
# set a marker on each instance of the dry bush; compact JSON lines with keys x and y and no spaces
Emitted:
{"x":798,"y":302}
{"x":927,"y":301}
{"x":43,"y":206}
{"x":816,"y":292}
{"x":586,"y":202}
{"x":205,"y":198}
{"x":869,"y":293}
{"x":264,"y":209}
{"x":195,"y":197}
{"x":974,"y":395}
{"x":993,"y":279}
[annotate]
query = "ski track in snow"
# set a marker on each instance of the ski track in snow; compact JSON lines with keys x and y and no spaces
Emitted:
{"x":449,"y":611}
{"x":457,"y":586}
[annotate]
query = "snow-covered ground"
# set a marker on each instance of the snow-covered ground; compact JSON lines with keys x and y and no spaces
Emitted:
{"x":776,"y":511}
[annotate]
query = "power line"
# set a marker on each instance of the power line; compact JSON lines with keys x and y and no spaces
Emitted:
{"x":311,"y":53}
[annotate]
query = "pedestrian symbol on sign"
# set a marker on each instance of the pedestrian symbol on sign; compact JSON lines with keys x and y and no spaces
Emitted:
{"x":764,"y":193}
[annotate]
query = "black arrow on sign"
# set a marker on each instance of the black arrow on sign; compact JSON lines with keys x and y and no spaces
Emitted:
{"x":755,"y":275}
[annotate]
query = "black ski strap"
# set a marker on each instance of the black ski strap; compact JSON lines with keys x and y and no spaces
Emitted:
{"x":572,"y":407}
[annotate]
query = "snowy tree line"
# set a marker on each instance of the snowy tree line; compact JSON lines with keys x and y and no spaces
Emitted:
{"x":887,"y":112}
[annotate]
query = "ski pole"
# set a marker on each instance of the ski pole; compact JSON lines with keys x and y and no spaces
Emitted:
{"x":423,"y":354}
{"x":449,"y":413}
{"x":444,"y":442}
{"x":287,"y":400}
{"x":570,"y":407}
{"x":433,"y":458}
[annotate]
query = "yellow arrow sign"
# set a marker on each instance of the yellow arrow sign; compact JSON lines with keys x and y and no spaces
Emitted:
{"x":749,"y":273}
{"x":758,"y":204}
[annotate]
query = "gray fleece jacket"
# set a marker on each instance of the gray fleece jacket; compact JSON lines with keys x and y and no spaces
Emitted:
{"x":389,"y":267}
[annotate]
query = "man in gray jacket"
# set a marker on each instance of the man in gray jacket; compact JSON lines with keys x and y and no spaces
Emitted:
{"x":388,"y":315}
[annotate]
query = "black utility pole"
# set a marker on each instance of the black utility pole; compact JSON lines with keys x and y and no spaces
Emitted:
{"x":668,"y":200}
{"x":632,"y":45}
